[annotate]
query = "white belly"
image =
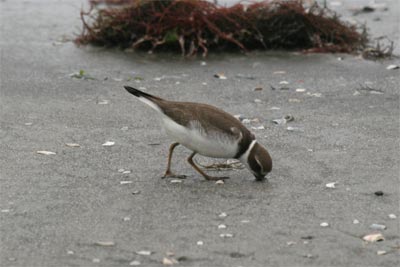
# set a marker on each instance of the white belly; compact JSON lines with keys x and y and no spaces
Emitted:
{"x":212,"y":144}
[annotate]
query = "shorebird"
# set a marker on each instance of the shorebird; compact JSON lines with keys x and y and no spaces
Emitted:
{"x":208,"y":131}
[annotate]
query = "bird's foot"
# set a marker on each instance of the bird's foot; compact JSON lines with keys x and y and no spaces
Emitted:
{"x":173,"y":175}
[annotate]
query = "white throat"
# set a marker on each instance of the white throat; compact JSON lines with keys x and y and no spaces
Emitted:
{"x":245,"y":155}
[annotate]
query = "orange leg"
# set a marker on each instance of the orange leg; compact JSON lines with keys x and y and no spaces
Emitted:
{"x":168,"y":172}
{"x":207,"y":177}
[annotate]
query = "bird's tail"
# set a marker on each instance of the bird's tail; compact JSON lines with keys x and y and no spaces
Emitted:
{"x":152,"y":101}
{"x":139,"y":93}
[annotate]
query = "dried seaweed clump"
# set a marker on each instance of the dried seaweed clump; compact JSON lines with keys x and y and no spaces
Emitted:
{"x":381,"y":48}
{"x":194,"y":26}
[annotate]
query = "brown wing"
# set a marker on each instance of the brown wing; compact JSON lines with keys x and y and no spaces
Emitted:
{"x":210,"y":118}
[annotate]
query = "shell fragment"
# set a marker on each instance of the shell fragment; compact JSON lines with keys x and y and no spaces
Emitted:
{"x":108,"y":143}
{"x":373,"y":237}
{"x":44,"y":152}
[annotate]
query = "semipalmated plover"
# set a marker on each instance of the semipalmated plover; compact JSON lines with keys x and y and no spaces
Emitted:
{"x":208,"y":131}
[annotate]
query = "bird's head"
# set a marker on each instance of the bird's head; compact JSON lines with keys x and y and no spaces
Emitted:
{"x":257,"y":160}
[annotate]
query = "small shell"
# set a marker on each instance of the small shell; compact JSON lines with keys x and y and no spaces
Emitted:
{"x":144,"y":252}
{"x":381,"y":252}
{"x":44,"y":152}
{"x":222,"y":215}
{"x":294,"y":129}
{"x":103,"y":102}
{"x":373,"y":237}
{"x":392,"y":67}
{"x":261,"y":127}
{"x":331,"y":185}
{"x":72,"y":144}
{"x":108,"y":143}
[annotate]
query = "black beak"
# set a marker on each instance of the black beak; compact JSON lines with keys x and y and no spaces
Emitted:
{"x":259,"y":178}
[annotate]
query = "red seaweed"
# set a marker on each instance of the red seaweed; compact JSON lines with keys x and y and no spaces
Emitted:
{"x":197,"y":26}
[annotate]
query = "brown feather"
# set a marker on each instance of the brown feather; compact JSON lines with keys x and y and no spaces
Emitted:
{"x":210,"y":118}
